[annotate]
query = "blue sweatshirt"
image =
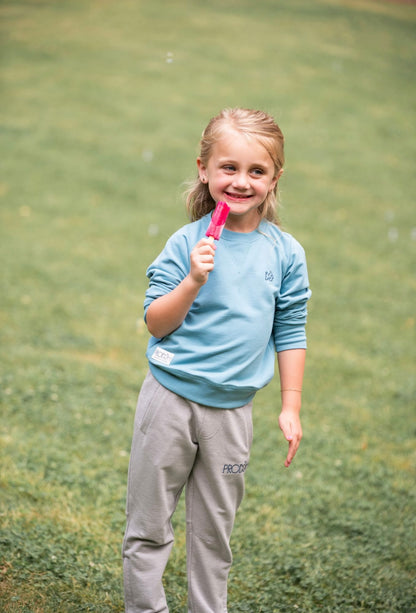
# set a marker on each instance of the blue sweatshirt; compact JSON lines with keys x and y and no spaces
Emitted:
{"x":253,"y":304}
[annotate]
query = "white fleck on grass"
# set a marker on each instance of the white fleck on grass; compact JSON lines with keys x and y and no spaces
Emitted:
{"x":393,"y":235}
{"x":147,"y":155}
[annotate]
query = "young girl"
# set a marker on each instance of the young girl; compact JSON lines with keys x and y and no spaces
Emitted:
{"x":217,"y":314}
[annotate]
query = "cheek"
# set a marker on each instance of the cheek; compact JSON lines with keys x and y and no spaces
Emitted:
{"x":218,"y":179}
{"x":265,"y":186}
{"x":271,"y":185}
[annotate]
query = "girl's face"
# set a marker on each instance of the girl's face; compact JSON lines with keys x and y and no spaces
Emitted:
{"x":240,"y":172}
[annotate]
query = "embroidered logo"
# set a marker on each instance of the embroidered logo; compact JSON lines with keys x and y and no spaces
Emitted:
{"x":163,"y":356}
{"x":268,"y":276}
{"x":234,"y":469}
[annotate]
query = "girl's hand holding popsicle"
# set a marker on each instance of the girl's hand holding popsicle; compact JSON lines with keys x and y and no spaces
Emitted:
{"x":202,"y":261}
{"x":202,"y":256}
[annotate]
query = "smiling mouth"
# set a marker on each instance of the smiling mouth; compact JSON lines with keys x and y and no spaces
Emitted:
{"x":238,"y":196}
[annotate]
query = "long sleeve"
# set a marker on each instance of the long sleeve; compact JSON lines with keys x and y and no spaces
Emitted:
{"x":291,"y":303}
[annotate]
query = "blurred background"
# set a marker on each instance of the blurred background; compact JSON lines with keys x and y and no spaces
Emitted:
{"x":102,"y":106}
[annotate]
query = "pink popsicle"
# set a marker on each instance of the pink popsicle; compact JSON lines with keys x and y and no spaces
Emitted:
{"x":219,"y":217}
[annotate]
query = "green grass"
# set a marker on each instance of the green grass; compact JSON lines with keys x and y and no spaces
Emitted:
{"x":102,"y":105}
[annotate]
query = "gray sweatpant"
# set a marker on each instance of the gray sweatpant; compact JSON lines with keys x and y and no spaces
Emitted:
{"x":176,"y":443}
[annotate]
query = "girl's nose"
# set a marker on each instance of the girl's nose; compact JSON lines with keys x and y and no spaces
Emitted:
{"x":241,"y":181}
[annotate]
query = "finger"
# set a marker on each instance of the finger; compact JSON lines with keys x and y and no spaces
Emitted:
{"x":208,"y":242}
{"x":207,"y":257}
{"x":200,"y":258}
{"x":289,"y":456}
{"x":293,"y":447}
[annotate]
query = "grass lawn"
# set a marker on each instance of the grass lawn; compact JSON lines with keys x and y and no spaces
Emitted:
{"x":102,"y":106}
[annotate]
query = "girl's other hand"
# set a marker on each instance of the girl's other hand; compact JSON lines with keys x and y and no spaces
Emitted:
{"x":289,"y":423}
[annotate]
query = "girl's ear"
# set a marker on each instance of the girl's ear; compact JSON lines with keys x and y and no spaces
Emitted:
{"x":276,"y":179}
{"x":202,"y":171}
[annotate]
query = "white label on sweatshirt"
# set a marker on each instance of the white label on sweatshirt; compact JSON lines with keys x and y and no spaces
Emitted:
{"x":163,"y":356}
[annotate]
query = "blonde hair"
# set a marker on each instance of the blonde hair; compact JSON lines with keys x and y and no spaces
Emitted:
{"x":253,"y":124}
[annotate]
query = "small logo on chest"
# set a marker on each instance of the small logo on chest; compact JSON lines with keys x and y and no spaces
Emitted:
{"x":269,"y":276}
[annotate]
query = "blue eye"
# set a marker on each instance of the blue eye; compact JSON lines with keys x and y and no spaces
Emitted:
{"x":257,"y":171}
